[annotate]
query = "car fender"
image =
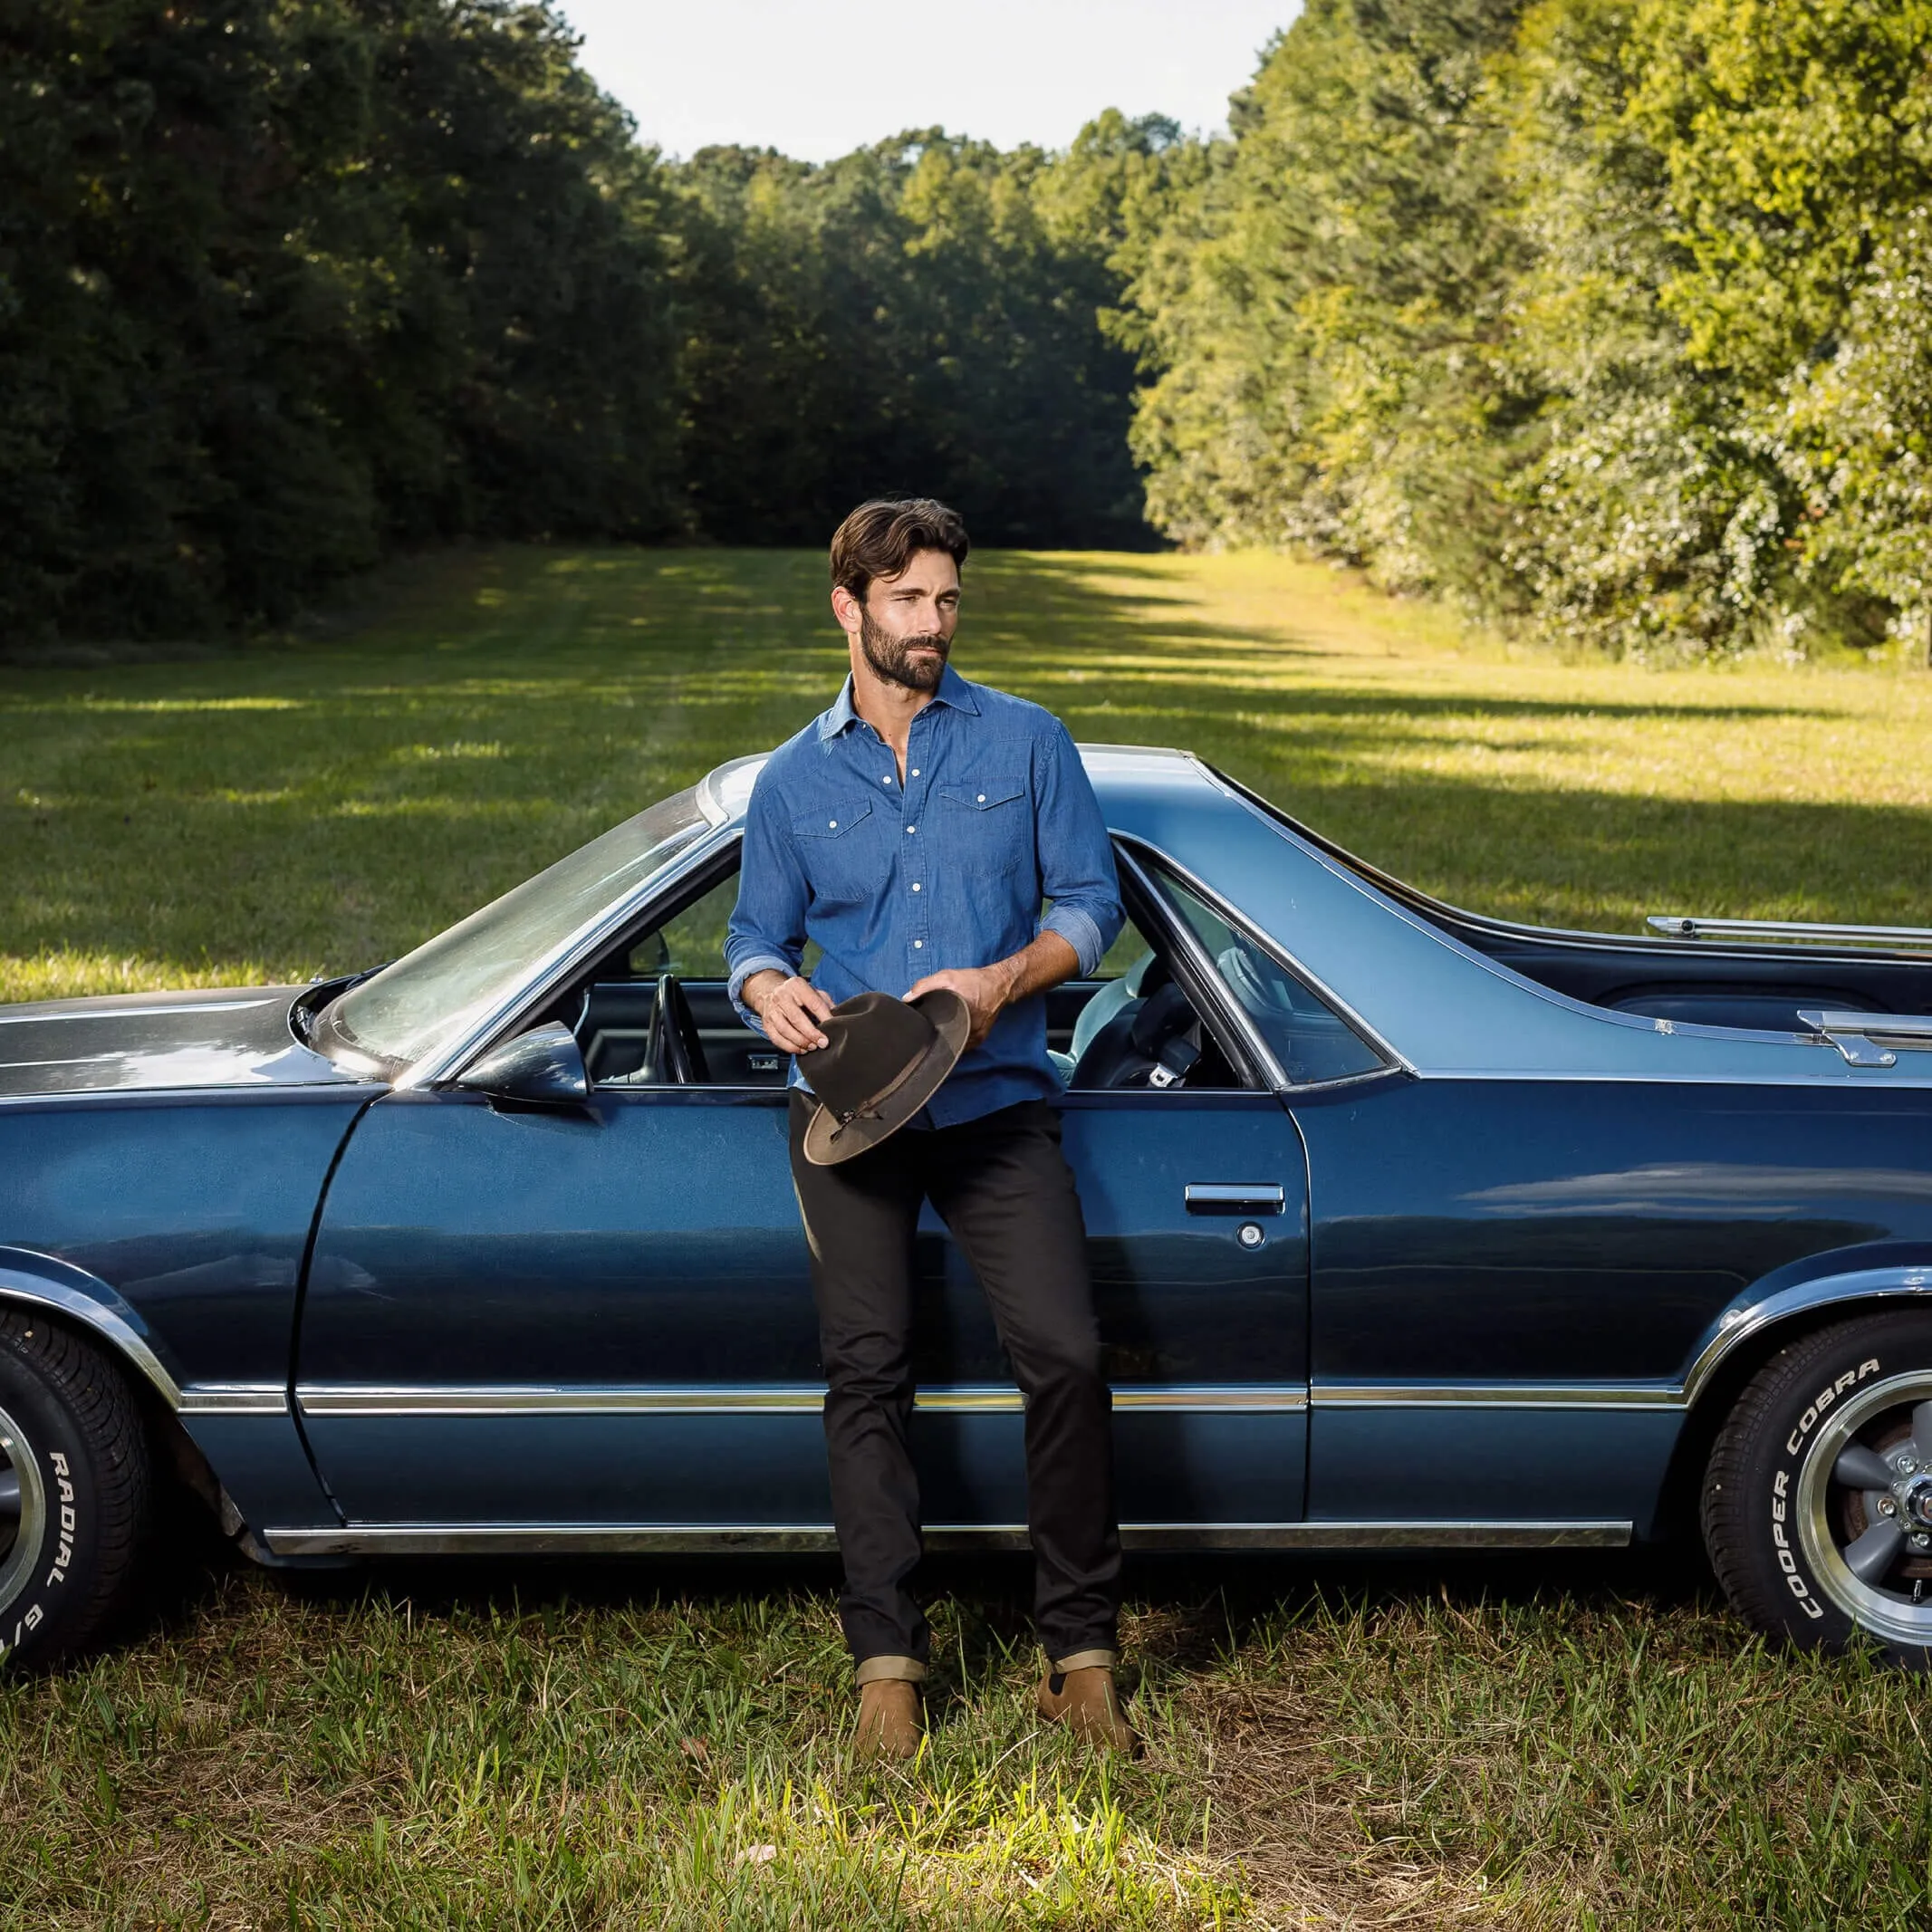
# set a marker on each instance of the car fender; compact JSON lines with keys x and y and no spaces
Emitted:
{"x":43,"y":1280}
{"x":1779,"y":1301}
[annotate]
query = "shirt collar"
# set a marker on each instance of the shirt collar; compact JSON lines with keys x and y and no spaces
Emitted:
{"x":953,"y":690}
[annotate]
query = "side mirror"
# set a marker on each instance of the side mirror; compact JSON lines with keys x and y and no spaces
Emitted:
{"x":542,"y":1068}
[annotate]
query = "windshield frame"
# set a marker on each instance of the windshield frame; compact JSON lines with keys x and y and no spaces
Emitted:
{"x":721,"y":812}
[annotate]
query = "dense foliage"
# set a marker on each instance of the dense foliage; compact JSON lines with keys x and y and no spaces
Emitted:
{"x":1612,"y":313}
{"x":285,"y":284}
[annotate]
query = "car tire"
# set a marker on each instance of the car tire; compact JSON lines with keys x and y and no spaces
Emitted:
{"x":1816,"y":1505}
{"x":74,"y":1486}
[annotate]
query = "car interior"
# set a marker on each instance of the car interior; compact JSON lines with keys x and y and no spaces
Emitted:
{"x":654,"y":1010}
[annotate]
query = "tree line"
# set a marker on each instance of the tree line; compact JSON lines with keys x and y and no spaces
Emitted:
{"x":1605,"y":316}
{"x":286,"y":284}
{"x":1608,"y":315}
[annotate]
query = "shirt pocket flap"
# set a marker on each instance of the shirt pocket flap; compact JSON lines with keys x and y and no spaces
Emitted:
{"x":833,"y":819}
{"x":984,"y":793}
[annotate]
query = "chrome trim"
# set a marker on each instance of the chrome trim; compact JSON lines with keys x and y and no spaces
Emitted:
{"x":1284,"y":958}
{"x":343,"y":1398}
{"x":1913,"y":938}
{"x":18,"y":1286}
{"x":23,"y":1552}
{"x":1739,"y":1325}
{"x":1224,"y":1398}
{"x":565,"y":958}
{"x":1231,"y":1015}
{"x":451,"y":1539}
{"x":1856,"y":1034}
{"x":233,"y":1399}
{"x":1235,"y":1197}
{"x":1619,"y":1396}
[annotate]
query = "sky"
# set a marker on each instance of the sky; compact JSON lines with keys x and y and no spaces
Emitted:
{"x":818,"y":78}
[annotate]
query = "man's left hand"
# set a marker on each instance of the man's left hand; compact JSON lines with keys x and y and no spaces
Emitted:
{"x":985,"y":989}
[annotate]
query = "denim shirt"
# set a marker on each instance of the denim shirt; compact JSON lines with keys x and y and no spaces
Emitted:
{"x":996,"y":812}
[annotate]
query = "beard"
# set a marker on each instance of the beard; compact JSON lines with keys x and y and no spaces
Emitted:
{"x":888,"y":656}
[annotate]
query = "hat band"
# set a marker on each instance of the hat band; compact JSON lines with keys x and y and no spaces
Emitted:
{"x":870,"y":1110}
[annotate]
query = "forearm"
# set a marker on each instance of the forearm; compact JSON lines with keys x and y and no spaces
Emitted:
{"x":757,"y":984}
{"x":1044,"y":961}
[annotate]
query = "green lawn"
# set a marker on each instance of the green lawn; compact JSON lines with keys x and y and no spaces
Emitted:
{"x":1581,"y":1743}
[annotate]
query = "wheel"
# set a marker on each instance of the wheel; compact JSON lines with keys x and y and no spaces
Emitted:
{"x":1817,"y":1498}
{"x":73,"y":1489}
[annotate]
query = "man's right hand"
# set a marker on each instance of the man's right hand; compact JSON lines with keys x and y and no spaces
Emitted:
{"x":789,"y":1009}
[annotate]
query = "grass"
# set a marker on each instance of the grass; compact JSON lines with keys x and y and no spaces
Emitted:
{"x":1514,"y":1743}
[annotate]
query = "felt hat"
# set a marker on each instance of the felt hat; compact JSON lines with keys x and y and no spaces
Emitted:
{"x":884,"y":1060}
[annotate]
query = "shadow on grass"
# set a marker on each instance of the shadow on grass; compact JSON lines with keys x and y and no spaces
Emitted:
{"x":1188,"y":1615}
{"x":327,"y":807}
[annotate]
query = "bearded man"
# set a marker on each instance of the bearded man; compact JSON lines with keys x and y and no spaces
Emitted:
{"x":912,"y":830}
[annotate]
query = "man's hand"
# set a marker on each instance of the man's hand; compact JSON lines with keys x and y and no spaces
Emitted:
{"x":985,"y":989}
{"x":789,"y":1009}
{"x":1044,"y":962}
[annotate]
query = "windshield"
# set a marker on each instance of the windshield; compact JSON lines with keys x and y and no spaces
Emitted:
{"x":431,"y":997}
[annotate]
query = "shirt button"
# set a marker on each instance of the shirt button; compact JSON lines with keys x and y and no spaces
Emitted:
{"x":915,"y":885}
{"x":886,"y":779}
{"x":912,"y":828}
{"x":914,"y":771}
{"x":917,"y":943}
{"x":981,"y":799}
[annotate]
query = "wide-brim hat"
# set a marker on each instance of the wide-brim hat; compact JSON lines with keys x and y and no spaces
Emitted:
{"x":884,"y":1060}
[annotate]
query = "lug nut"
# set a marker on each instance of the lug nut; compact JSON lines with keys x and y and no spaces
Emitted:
{"x":1887,"y":1507}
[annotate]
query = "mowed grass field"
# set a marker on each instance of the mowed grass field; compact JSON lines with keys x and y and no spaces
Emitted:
{"x":1522,"y":1742}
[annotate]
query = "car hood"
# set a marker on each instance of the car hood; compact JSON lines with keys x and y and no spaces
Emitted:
{"x":228,"y":1037}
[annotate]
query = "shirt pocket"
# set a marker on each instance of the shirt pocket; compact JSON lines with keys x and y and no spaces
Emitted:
{"x":839,"y":846}
{"x":987,"y":824}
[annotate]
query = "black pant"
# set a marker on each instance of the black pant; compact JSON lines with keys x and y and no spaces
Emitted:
{"x":1003,"y":1186}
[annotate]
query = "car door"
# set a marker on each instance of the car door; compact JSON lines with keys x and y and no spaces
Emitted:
{"x":597,"y":1323}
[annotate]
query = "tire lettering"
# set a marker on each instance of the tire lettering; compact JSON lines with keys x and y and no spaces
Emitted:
{"x":59,"y":1462}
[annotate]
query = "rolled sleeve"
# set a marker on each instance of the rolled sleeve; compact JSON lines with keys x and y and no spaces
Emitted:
{"x":767,"y":927}
{"x":1076,"y":856}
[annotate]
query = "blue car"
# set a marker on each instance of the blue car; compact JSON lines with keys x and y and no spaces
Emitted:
{"x":1409,"y":1230}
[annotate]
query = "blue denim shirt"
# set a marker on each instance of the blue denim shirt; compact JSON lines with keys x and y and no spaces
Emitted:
{"x":997,"y":812}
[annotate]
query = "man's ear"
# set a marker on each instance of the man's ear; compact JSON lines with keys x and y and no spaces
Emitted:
{"x":848,"y":610}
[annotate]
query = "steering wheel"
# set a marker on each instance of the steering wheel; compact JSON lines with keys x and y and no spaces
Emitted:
{"x":673,"y":1051}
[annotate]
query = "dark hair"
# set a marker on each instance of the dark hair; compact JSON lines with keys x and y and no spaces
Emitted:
{"x":881,"y":538}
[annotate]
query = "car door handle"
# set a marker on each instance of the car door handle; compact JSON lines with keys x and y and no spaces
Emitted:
{"x":1235,"y":1197}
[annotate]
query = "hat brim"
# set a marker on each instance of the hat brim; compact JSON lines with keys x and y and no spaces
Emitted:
{"x":952,"y":1020}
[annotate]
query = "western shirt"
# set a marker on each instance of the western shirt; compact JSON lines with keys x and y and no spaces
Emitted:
{"x":948,"y":870}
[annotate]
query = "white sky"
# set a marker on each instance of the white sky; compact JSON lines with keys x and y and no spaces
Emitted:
{"x":818,"y":78}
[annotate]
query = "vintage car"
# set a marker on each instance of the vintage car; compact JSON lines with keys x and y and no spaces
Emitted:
{"x":1410,"y":1230}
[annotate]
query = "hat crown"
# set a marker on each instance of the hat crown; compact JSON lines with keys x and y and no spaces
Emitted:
{"x":874,"y":1039}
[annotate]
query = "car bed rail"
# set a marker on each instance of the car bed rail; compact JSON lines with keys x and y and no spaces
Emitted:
{"x":1898,"y":938}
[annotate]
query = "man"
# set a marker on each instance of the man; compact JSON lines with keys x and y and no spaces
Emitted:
{"x":911,"y":829}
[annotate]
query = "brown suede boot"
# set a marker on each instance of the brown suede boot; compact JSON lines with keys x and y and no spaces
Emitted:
{"x":1086,"y":1700}
{"x":890,"y":1722}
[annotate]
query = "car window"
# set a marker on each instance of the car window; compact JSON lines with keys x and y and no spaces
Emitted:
{"x":691,"y":942}
{"x":429,"y":998}
{"x":1306,"y":1035}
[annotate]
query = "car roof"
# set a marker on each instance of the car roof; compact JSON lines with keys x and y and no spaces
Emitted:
{"x":1122,"y":775}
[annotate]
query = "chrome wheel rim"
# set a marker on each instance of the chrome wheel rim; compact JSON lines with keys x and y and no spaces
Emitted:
{"x":23,"y":1509}
{"x":1864,"y":1509}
